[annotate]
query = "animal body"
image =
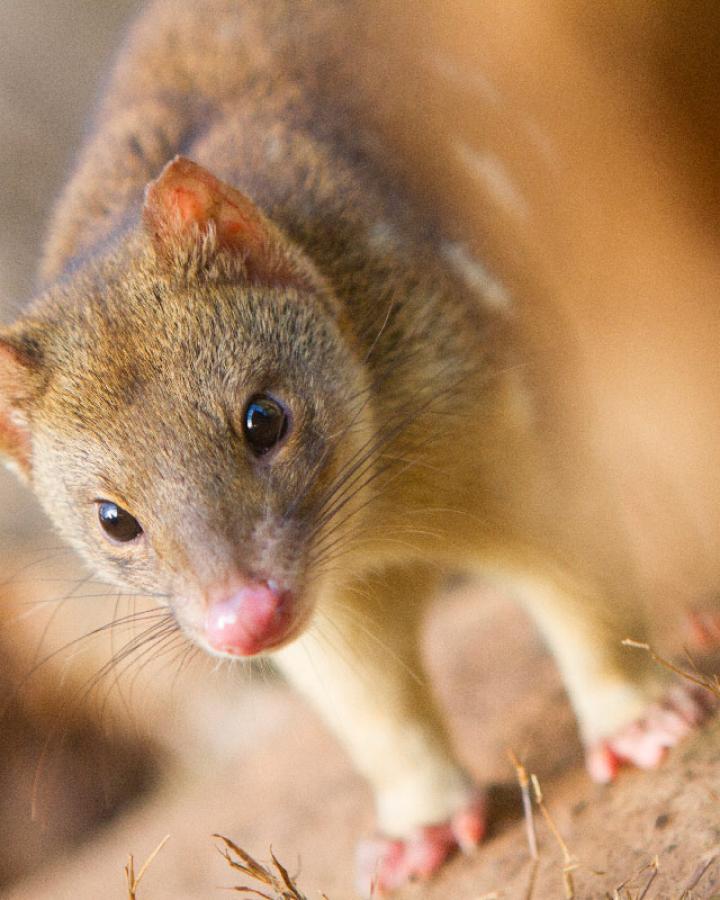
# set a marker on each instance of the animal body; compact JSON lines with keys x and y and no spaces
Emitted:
{"x":255,"y":386}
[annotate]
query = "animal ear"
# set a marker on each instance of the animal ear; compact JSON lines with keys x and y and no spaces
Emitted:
{"x":19,"y":369}
{"x":187,"y":209}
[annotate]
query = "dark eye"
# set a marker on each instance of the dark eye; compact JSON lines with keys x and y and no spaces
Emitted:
{"x":265,"y":423}
{"x":117,"y":523}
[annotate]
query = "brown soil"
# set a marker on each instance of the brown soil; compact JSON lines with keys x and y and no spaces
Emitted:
{"x":275,"y":777}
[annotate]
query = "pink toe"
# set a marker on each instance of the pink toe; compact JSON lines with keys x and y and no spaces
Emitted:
{"x":687,"y":705}
{"x":470,"y":824}
{"x":427,"y":851}
{"x":378,"y":862}
{"x":385,"y":864}
{"x":674,"y":725}
{"x":644,"y":743}
{"x":645,"y":751}
{"x":602,"y":763}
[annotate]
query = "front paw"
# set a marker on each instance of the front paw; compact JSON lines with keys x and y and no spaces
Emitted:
{"x":385,"y":864}
{"x":645,"y":741}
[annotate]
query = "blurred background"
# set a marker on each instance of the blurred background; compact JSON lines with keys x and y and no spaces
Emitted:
{"x":571,"y":150}
{"x":51,"y":65}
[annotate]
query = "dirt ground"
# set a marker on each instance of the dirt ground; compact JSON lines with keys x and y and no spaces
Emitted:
{"x":206,"y":751}
{"x":247,"y":760}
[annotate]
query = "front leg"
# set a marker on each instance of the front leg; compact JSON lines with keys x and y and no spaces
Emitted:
{"x":628,"y":709}
{"x":360,"y":666}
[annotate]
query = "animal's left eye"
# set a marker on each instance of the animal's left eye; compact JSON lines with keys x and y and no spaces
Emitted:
{"x":265,"y":423}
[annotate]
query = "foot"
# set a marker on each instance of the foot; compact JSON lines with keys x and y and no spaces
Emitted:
{"x":386,"y":864}
{"x":645,"y":741}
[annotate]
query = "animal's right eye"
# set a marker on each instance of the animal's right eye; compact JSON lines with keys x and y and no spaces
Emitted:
{"x":117,"y":523}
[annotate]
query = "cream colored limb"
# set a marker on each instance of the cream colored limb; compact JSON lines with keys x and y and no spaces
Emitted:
{"x":360,"y":666}
{"x":609,"y":684}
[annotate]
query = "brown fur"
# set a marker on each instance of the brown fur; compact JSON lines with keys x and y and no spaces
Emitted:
{"x":147,"y":344}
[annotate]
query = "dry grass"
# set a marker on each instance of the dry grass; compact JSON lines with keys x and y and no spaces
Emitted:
{"x":279,"y":881}
{"x":532,"y":797}
{"x":640,"y":885}
{"x":637,"y":887}
{"x":709,"y":682}
{"x":273,"y":882}
{"x":278,"y":884}
{"x":134,"y":880}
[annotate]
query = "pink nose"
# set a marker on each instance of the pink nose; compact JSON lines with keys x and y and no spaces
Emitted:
{"x":249,"y":619}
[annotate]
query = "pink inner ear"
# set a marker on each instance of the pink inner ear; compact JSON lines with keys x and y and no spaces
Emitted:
{"x":185,"y":194}
{"x":187,"y":204}
{"x":185,"y":199}
{"x":15,"y":378}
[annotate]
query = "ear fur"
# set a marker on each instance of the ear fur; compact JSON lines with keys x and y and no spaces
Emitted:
{"x":18,"y":378}
{"x":186,"y":208}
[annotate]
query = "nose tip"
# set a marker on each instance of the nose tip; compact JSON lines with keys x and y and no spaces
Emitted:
{"x":246,"y":619}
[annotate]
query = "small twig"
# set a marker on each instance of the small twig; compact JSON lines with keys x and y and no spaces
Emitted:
{"x":713,"y":683}
{"x":527,"y":782}
{"x":524,"y":782}
{"x":284,"y":874}
{"x":699,"y":679}
{"x":282,"y":884}
{"x":569,"y":864}
{"x":698,"y":874}
{"x":623,"y":886}
{"x":655,"y":866}
{"x":250,"y":890}
{"x":533,"y":878}
{"x":551,"y":824}
{"x":134,"y":880}
{"x":130,"y":877}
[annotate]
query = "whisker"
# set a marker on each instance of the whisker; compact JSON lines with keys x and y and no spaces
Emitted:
{"x":385,"y":647}
{"x":74,"y":643}
{"x":372,"y":447}
{"x":376,"y":474}
{"x":9,"y":580}
{"x":54,"y":613}
{"x":151,"y":644}
{"x":152,"y":632}
{"x":146,"y":639}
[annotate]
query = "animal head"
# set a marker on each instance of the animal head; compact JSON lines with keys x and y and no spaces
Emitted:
{"x":184,"y":404}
